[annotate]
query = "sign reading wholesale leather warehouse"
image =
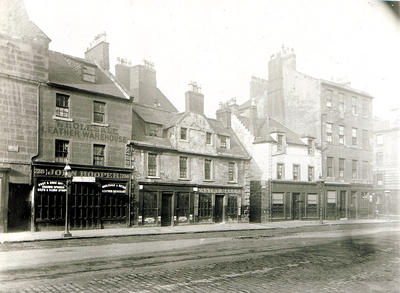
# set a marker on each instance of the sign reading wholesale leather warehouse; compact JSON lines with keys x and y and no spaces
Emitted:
{"x":84,"y":131}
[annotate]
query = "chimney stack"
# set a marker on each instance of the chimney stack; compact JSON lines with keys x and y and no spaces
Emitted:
{"x":99,"y":52}
{"x":224,"y":114}
{"x":194,"y":99}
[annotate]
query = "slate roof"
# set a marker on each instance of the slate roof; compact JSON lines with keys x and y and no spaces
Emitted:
{"x":147,"y":95}
{"x":66,"y":70}
{"x":168,"y":119}
{"x":264,"y":128}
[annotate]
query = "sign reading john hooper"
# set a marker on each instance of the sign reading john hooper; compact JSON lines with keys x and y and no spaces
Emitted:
{"x":84,"y":131}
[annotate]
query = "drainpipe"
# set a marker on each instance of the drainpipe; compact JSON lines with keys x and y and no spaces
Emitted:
{"x":38,"y":122}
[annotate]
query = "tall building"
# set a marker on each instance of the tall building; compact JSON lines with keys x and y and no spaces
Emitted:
{"x":335,"y":114}
{"x":23,"y":73}
{"x":387,"y":163}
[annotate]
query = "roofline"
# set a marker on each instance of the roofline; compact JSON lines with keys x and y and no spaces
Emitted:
{"x":389,"y":129}
{"x":66,"y":87}
{"x":74,"y":57}
{"x":170,"y":149}
{"x":345,"y":87}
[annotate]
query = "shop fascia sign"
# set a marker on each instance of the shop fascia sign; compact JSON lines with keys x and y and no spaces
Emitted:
{"x":85,"y":179}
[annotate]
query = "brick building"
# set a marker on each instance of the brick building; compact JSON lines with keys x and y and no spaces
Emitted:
{"x":336,"y":115}
{"x":387,"y":163}
{"x":189,"y":168}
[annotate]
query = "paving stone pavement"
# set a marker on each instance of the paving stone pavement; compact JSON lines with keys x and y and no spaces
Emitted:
{"x":349,"y":264}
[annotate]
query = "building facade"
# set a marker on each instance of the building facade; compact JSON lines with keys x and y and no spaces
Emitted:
{"x":387,"y":163}
{"x":189,"y":168}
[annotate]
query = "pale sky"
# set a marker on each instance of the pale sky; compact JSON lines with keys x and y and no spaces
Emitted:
{"x":221,"y":44}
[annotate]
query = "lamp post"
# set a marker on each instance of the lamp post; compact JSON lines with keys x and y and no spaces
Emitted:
{"x":68,"y":176}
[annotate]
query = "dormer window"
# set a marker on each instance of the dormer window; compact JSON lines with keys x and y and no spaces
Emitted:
{"x":280,"y":143}
{"x":89,"y":74}
{"x":152,"y":129}
{"x":184,"y":133}
{"x":310,"y":146}
{"x":223,"y":142}
{"x":208,"y":137}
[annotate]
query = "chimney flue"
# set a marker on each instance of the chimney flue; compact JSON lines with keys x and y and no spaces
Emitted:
{"x":194,"y":99}
{"x":99,"y":51}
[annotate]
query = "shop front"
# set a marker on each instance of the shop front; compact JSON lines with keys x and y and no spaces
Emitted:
{"x":99,"y":196}
{"x":164,"y":204}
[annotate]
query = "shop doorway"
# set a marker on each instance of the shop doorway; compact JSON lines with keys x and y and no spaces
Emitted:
{"x":166,"y":215}
{"x":342,"y":204}
{"x":219,"y":208}
{"x":296,"y":206}
{"x":19,"y":208}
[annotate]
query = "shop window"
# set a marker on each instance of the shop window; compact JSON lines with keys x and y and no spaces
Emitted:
{"x":183,"y":167}
{"x":329,"y":166}
{"x":296,"y":172}
{"x":354,"y":169}
{"x":312,"y":198}
{"x":310,"y":173}
{"x":184,"y":133}
{"x":232,"y":207}
{"x":280,"y":171}
{"x":149,"y":208}
{"x":354,"y":136}
{"x":208,"y":137}
{"x":341,"y":168}
{"x":99,"y":112}
{"x":207,"y":169}
{"x":62,"y":106}
{"x":61,"y":150}
{"x":232,"y":171}
{"x":329,"y":127}
{"x":98,"y":154}
{"x":205,"y":206}
{"x":341,"y":134}
{"x":278,"y":205}
{"x":331,"y":197}
{"x":183,"y":207}
{"x":152,"y":165}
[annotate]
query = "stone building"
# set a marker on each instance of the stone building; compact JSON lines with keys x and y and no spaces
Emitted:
{"x":24,"y":66}
{"x":189,"y":168}
{"x":387,"y":163}
{"x":336,"y":115}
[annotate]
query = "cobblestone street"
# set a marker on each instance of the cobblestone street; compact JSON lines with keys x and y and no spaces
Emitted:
{"x":362,"y":259}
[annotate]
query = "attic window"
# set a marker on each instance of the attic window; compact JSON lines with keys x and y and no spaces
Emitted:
{"x":223,"y":141}
{"x":280,"y":142}
{"x":89,"y":73}
{"x":153,"y":129}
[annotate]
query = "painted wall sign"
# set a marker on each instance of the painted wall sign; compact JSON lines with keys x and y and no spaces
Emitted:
{"x":217,"y":190}
{"x":58,"y":172}
{"x":51,"y":186}
{"x":113,"y":188}
{"x":84,"y":131}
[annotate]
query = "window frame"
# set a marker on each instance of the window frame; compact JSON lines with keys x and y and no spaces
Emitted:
{"x":329,"y":167}
{"x":232,"y":173}
{"x":208,"y":138}
{"x":208,"y":162}
{"x":153,"y":167}
{"x":95,"y":155}
{"x":97,"y":112}
{"x":65,"y":150}
{"x":341,"y":167}
{"x":183,"y":168}
{"x":354,"y":139}
{"x":280,"y":142}
{"x":223,"y":141}
{"x":341,"y":134}
{"x":183,"y":134}
{"x":296,"y":167}
{"x":354,"y":169}
{"x":310,"y":175}
{"x":282,"y":175}
{"x":61,"y":108}
{"x":329,"y":131}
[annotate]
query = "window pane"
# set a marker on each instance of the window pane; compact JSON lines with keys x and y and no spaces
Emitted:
{"x":61,"y":150}
{"x":207,"y":169}
{"x":183,"y":167}
{"x":152,"y":165}
{"x":98,"y":154}
{"x":231,"y":171}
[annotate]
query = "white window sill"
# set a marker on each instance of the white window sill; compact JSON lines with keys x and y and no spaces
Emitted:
{"x":232,"y":182}
{"x":100,"y":124}
{"x":184,"y":179}
{"x":153,"y":177}
{"x":62,"y":118}
{"x":208,"y":180}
